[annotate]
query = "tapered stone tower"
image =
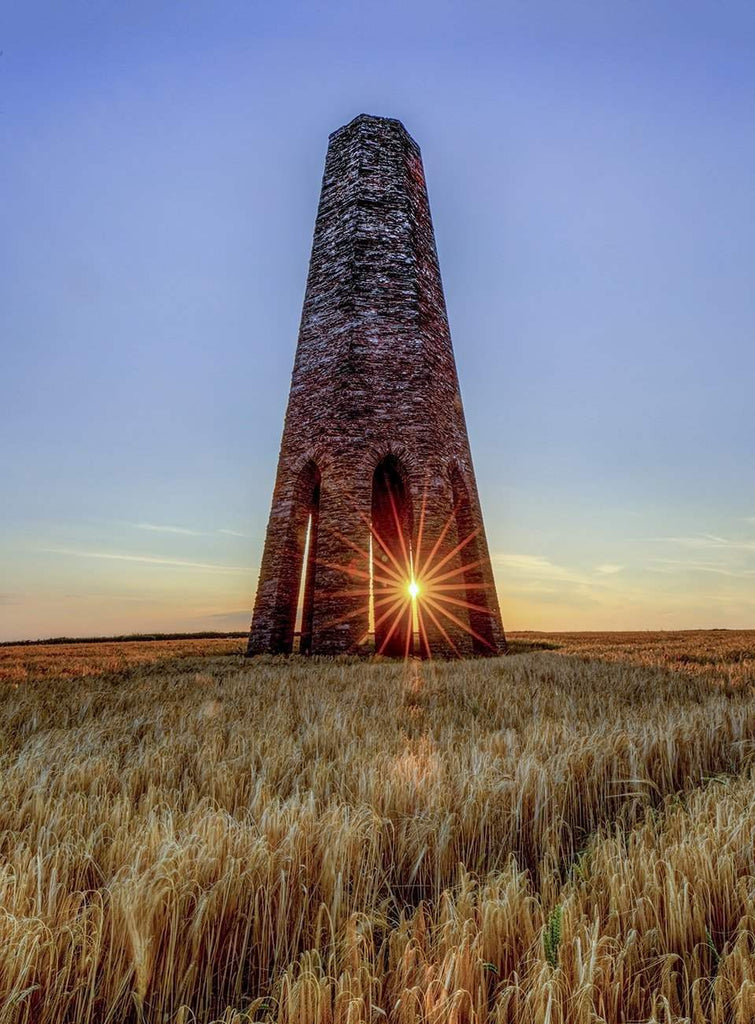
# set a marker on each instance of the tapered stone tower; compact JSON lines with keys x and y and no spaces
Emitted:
{"x":375,"y":528}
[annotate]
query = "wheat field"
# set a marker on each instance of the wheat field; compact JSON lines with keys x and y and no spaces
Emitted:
{"x":561,"y":836}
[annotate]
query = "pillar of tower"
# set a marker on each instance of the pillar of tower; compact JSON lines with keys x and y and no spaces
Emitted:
{"x":375,"y":458}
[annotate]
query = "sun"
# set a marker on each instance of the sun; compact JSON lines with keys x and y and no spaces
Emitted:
{"x":414,"y":588}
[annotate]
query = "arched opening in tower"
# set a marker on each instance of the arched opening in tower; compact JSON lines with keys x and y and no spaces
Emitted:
{"x":391,"y":552}
{"x":477,"y":593}
{"x":296,"y":594}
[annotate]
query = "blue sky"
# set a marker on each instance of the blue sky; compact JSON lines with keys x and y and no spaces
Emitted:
{"x":590,"y":175}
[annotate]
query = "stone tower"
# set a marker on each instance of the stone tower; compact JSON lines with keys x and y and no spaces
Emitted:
{"x":375,"y":527}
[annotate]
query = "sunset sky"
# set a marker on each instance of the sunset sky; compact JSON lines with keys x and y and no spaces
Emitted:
{"x":590,"y":171}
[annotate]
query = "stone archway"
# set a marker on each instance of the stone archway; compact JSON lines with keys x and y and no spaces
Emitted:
{"x":391,"y":518}
{"x":297,"y":577}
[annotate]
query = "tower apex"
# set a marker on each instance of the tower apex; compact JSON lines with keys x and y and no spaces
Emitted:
{"x":392,"y":123}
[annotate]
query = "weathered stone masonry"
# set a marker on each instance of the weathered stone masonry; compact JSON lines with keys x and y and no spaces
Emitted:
{"x":374,"y":408}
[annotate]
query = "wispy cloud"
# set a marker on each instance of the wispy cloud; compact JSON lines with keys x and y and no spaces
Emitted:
{"x":148,"y":560}
{"x":158,"y":528}
{"x":710,"y":542}
{"x":709,"y":554}
{"x":674,"y":565}
{"x":537,"y":567}
{"x":238,"y":620}
{"x":184,"y":531}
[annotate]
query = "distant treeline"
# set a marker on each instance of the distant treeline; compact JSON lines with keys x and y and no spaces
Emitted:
{"x":140,"y":637}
